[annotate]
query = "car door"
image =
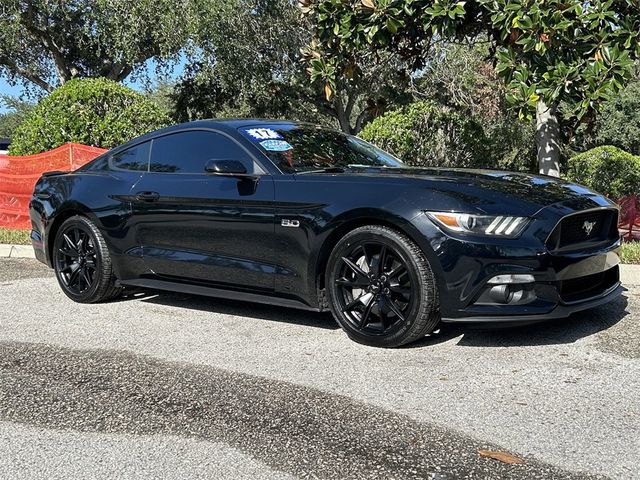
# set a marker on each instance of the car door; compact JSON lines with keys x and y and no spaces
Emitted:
{"x":203,"y":227}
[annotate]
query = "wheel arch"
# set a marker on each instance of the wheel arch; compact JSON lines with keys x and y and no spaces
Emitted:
{"x":75,"y":209}
{"x":357,"y":220}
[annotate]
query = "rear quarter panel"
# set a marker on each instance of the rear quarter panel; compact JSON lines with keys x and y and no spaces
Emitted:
{"x":100,"y":196}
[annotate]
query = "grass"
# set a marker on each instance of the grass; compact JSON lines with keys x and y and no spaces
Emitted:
{"x":14,"y":237}
{"x":630,"y":250}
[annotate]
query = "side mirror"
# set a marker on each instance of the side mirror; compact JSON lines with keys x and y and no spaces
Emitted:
{"x":225,"y":167}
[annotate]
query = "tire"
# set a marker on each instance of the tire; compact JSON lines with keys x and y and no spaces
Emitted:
{"x":82,"y":262}
{"x":381,"y":288}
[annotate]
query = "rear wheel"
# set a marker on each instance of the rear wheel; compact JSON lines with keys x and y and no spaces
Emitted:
{"x":381,"y":288}
{"x":82,"y":262}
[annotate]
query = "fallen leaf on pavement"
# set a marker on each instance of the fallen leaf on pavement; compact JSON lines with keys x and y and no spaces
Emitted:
{"x":501,"y":456}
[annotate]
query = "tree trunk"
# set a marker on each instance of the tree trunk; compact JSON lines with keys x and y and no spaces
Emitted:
{"x":340,"y":114}
{"x":547,"y":140}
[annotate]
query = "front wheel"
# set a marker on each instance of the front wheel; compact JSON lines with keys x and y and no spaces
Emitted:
{"x":381,"y":288}
{"x":82,"y":262}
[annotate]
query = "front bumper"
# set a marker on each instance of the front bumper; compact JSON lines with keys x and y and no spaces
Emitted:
{"x":559,"y":283}
{"x":560,"y":311}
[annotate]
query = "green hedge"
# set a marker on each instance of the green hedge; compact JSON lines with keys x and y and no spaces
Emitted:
{"x":95,"y":112}
{"x":607,"y":170}
{"x":430,"y":134}
{"x":427,"y":134}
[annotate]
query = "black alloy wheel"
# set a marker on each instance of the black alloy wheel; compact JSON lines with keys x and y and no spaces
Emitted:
{"x":381,"y":288}
{"x":82,"y":262}
{"x":76,"y":260}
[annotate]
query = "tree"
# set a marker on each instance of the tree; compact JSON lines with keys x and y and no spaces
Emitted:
{"x":567,"y":54}
{"x":618,"y":123}
{"x":428,"y":134}
{"x":92,"y":111}
{"x":459,"y":76}
{"x":47,"y":42}
{"x":18,"y":110}
{"x":259,"y":70}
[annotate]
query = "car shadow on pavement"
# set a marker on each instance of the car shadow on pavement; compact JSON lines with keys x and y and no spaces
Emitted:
{"x":551,"y":332}
{"x":237,"y":308}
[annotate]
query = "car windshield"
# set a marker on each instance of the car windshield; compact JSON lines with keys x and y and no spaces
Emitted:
{"x":306,"y":149}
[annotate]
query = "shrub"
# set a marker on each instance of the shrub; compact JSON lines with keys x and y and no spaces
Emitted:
{"x":619,"y":122}
{"x":607,"y":169}
{"x":95,"y":112}
{"x":511,"y":144}
{"x":429,"y":134}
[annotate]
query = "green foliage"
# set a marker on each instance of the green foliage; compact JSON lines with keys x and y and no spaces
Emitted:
{"x":429,"y":134}
{"x":9,"y":236}
{"x":258,"y":71}
{"x":608,"y":170}
{"x":618,"y":123}
{"x":426,"y":134}
{"x":253,"y":72}
{"x":162,"y":93}
{"x":46,"y":43}
{"x":571,"y":51}
{"x":460,"y":77}
{"x":17,"y":112}
{"x":96,"y":112}
{"x":511,"y":144}
{"x":630,"y":253}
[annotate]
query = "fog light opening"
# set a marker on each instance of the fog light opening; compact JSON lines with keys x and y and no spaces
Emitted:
{"x":506,"y":294}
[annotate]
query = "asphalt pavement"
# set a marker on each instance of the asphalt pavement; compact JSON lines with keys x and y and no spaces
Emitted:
{"x":164,"y":385}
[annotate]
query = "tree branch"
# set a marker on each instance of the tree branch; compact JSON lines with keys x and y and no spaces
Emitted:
{"x":32,"y":77}
{"x":351,"y":101}
{"x":362,"y":117}
{"x":29,"y":23}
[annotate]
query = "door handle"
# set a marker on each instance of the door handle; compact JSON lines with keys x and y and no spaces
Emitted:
{"x":147,"y":196}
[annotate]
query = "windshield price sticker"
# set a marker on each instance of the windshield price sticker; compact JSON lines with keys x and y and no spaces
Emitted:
{"x":263,"y":133}
{"x":276,"y":145}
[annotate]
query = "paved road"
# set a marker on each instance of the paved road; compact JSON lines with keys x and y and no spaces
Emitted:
{"x":174,"y":386}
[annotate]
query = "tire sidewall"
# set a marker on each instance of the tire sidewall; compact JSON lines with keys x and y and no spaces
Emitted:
{"x":89,"y":228}
{"x":343,"y":247}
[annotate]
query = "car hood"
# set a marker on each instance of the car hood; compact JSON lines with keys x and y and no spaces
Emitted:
{"x":499,"y":192}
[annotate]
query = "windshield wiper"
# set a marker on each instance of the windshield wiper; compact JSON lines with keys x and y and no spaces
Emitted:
{"x":324,"y":170}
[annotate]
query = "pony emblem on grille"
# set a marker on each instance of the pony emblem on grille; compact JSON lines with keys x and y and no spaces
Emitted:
{"x":587,"y":226}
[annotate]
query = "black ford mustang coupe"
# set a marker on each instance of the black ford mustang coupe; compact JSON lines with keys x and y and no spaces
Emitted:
{"x":292,"y":214}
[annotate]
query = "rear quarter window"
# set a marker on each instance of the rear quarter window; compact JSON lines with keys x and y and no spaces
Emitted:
{"x":134,"y":158}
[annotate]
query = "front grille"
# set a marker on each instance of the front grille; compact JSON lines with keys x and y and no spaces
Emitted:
{"x":583,"y":288}
{"x":582,"y":229}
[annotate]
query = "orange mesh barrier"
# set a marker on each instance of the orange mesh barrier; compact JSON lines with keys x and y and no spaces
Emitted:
{"x":18,"y":176}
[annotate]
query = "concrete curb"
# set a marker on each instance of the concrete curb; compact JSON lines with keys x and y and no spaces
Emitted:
{"x":630,"y":274}
{"x":16,"y":251}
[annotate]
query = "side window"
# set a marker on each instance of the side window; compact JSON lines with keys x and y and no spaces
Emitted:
{"x":134,"y":158}
{"x":189,"y":152}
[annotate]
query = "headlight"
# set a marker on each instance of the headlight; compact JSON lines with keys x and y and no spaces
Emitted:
{"x":497,"y":226}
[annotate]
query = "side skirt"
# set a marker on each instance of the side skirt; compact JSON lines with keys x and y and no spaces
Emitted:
{"x":218,"y":293}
